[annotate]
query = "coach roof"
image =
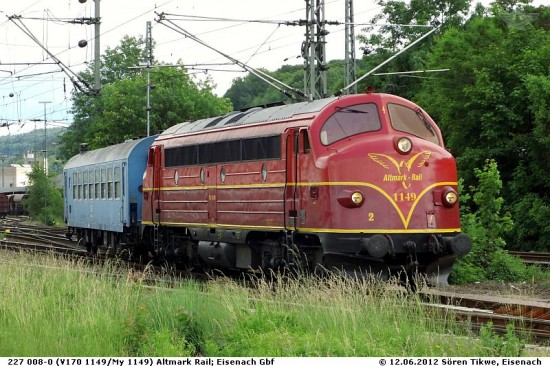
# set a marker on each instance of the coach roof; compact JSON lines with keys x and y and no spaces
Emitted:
{"x":121,"y":151}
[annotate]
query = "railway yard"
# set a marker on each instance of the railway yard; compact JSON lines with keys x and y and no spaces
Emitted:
{"x":526,"y":306}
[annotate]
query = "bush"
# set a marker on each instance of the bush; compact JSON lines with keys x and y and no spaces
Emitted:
{"x":45,"y":202}
{"x":505,"y":267}
{"x":146,"y":337}
{"x":486,"y":226}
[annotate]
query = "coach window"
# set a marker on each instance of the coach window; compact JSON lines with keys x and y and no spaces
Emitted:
{"x":349,"y":121}
{"x":109,"y":193}
{"x":91,"y":184}
{"x":110,"y":183}
{"x":103,"y":183}
{"x":79,"y":194}
{"x":75,"y":185}
{"x":85,"y":185}
{"x":412,"y":121}
{"x":117,"y":182}
{"x":97,"y":185}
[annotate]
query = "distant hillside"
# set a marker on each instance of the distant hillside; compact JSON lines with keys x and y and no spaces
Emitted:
{"x":16,"y":147}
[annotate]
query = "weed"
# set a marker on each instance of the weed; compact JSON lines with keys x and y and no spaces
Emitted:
{"x":507,"y":345}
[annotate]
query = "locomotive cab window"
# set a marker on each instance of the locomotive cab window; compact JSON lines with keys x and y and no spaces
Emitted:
{"x":349,"y":121}
{"x":412,"y":121}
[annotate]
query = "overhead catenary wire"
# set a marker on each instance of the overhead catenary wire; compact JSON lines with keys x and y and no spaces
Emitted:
{"x":339,"y":92}
{"x":52,"y":55}
{"x":277,"y":84}
{"x":298,"y":22}
{"x":77,"y":81}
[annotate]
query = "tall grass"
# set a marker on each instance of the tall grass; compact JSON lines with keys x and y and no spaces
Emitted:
{"x":49,"y":307}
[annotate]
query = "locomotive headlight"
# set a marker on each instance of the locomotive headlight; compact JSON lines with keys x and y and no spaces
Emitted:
{"x":404,"y":145}
{"x":351,"y":199}
{"x":450,"y":197}
{"x":357,"y":198}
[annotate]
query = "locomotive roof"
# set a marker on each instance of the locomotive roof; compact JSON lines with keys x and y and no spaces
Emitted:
{"x":121,"y":151}
{"x":250,"y":116}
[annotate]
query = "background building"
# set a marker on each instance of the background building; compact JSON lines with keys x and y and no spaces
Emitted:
{"x":15,"y":175}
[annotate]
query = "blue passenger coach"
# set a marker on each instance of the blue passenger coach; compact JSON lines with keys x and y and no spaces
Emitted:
{"x":103,"y":193}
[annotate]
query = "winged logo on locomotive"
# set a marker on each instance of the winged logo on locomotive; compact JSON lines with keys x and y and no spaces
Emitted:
{"x":389,"y":162}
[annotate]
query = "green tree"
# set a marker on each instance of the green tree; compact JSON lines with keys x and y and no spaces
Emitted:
{"x":45,"y":202}
{"x":493,"y":104}
{"x":119,"y":111}
{"x":251,"y":91}
{"x":401,"y":23}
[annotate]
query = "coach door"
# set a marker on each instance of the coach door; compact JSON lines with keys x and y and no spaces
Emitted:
{"x":211,"y":184}
{"x":298,"y":161}
{"x":67,"y":190}
{"x":291,"y":183}
{"x":157,"y":185}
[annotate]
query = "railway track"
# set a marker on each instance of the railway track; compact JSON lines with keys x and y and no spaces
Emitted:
{"x":530,"y":318}
{"x":37,"y":239}
{"x":533,"y":258}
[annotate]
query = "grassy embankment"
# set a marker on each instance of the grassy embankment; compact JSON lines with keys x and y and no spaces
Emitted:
{"x":49,"y":307}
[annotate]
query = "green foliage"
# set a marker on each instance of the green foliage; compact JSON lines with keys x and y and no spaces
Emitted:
{"x":486,"y":226}
{"x":145,"y":338}
{"x":45,"y":202}
{"x":508,"y":345}
{"x":493,"y":103}
{"x":505,"y":267}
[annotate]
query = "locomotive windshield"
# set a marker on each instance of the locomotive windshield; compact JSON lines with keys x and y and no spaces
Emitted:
{"x":412,"y":121}
{"x":349,"y":121}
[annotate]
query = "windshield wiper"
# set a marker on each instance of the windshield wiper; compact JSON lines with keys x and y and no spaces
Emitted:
{"x":350,"y":110}
{"x":424,"y":120}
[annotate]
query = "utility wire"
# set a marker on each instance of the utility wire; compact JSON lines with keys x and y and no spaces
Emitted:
{"x":77,"y":81}
{"x":289,"y":91}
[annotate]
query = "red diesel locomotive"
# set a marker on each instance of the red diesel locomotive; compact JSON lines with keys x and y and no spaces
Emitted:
{"x":357,"y":183}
